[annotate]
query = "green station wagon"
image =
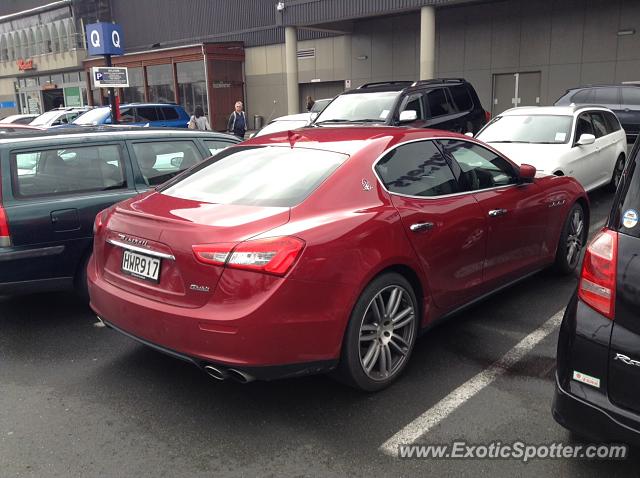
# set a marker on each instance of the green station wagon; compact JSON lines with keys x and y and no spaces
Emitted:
{"x":52,"y":185}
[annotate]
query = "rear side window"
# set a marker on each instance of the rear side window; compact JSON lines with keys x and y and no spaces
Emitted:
{"x":599,"y":125}
{"x":612,"y":121}
{"x":267,"y":176}
{"x":461,"y":98}
{"x":630,"y":203}
{"x":127,"y":115}
{"x":606,"y":96}
{"x":169,"y":113}
{"x":438,"y":103}
{"x":631,"y":96}
{"x":69,"y":170}
{"x":147,"y":113}
{"x":417,"y":169}
{"x":161,"y":160}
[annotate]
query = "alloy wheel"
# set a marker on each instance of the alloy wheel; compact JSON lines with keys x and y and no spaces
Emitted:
{"x":575,"y":237}
{"x":387,"y":330}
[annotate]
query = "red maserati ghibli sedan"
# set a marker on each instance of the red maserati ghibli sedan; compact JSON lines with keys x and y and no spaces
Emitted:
{"x":326,"y":249}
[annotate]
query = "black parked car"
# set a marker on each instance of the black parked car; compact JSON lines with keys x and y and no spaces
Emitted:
{"x":623,"y":100}
{"x":597,"y":384}
{"x":445,"y":103}
{"x":52,"y":185}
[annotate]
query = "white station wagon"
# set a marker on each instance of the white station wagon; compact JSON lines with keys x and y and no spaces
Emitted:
{"x":586,"y":142}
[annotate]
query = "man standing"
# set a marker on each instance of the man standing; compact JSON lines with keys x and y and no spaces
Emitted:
{"x":237,"y":124}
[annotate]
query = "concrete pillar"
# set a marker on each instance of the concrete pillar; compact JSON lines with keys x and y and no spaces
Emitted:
{"x":427,"y":43}
{"x":291,"y":69}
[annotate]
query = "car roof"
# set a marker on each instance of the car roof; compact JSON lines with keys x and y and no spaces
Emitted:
{"x":349,"y":140}
{"x":409,"y":86}
{"x":110,"y":133}
{"x":569,"y":110}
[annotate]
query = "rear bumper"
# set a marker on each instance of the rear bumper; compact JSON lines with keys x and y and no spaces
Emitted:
{"x":590,"y":421}
{"x":282,"y":331}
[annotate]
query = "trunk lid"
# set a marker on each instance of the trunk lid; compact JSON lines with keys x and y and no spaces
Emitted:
{"x":166,"y":228}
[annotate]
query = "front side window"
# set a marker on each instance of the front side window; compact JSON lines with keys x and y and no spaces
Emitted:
{"x":414,"y":103}
{"x":68,"y":170}
{"x":266,"y":176}
{"x":160,"y":161}
{"x":599,"y":124}
{"x":606,"y":96}
{"x":417,"y":169}
{"x":481,"y":168}
{"x":582,"y":97}
{"x":438,"y":103}
{"x":584,"y":126}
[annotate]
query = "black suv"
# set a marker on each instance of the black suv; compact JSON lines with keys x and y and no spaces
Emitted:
{"x":623,"y":100}
{"x":444,"y":103}
{"x":52,"y":185}
{"x":597,"y":393}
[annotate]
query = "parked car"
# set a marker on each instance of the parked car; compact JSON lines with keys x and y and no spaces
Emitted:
{"x":446,"y":103}
{"x":138,"y":114}
{"x":58,"y":116}
{"x":17,"y":128}
{"x":291,"y":122}
{"x":332,"y":247}
{"x":623,"y":100}
{"x":597,"y":394}
{"x":52,"y":185}
{"x":19,"y":119}
{"x":586,"y":142}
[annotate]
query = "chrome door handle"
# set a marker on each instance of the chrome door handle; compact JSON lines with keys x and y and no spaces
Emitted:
{"x":497,"y":212}
{"x":421,"y":226}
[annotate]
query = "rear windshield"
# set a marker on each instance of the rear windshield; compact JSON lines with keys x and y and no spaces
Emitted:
{"x":629,"y":212}
{"x":93,"y":117}
{"x":269,"y":176}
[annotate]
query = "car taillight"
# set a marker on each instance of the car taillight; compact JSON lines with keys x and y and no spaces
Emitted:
{"x":598,"y":279}
{"x":273,"y":255}
{"x":487,"y":116}
{"x":102,"y":218}
{"x":5,"y":238}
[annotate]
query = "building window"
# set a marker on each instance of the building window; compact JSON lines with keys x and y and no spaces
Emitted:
{"x":192,"y":86}
{"x":160,"y":84}
{"x":135,"y":92}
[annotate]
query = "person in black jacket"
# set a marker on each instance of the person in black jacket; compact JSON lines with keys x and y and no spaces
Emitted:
{"x":237,"y":124}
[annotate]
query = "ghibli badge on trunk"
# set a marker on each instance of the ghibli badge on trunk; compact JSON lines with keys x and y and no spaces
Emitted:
{"x":199,"y":288}
{"x":133,"y":240}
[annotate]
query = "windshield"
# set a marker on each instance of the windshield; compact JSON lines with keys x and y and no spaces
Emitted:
{"x":269,"y":176}
{"x":536,"y":129}
{"x":45,"y":118}
{"x":92,"y":117}
{"x":370,"y":107}
{"x":277,"y":126}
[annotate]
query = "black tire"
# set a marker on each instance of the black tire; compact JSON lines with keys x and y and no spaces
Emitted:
{"x":567,"y":263}
{"x":81,"y":285}
{"x":388,"y":340}
{"x":617,"y":174}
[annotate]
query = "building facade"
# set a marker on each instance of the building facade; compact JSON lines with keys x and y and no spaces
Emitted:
{"x":514,"y":52}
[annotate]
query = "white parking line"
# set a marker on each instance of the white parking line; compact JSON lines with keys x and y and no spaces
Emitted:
{"x":441,"y":410}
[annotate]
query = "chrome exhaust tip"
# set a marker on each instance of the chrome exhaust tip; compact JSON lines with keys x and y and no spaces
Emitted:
{"x":240,"y":376}
{"x":215,"y":372}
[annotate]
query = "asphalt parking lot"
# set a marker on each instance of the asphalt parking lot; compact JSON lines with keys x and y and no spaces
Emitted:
{"x":80,"y":400}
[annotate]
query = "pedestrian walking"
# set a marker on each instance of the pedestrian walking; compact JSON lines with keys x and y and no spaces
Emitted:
{"x":199,"y":121}
{"x":237,"y":124}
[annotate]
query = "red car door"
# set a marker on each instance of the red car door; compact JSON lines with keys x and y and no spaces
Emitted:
{"x":516,"y":213}
{"x":446,"y":228}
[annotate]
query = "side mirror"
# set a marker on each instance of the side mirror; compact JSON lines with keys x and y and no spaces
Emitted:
{"x":527,"y":172}
{"x":407,"y":116}
{"x":586,"y":139}
{"x":469,"y":133}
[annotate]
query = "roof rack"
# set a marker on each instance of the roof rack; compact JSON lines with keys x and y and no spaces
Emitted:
{"x":438,"y":80}
{"x":384,"y":83}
